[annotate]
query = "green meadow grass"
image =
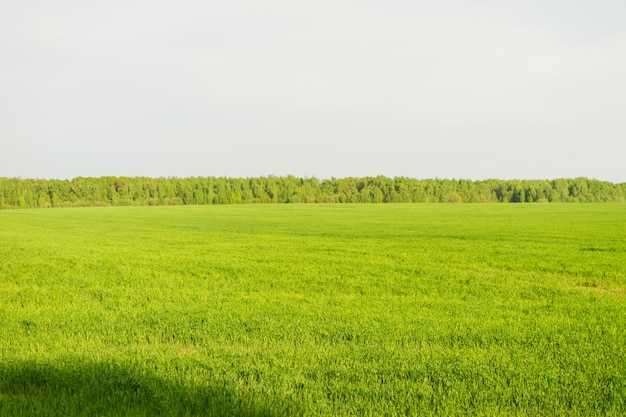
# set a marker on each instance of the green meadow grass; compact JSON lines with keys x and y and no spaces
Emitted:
{"x":270,"y":310}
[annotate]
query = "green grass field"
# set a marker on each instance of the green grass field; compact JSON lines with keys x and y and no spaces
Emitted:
{"x":451,"y":310}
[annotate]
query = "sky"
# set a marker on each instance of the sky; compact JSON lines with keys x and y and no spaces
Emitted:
{"x":532,"y":89}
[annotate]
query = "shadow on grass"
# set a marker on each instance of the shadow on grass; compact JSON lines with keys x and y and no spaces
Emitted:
{"x":110,"y":389}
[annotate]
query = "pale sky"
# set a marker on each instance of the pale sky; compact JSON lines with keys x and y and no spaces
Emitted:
{"x":449,"y":89}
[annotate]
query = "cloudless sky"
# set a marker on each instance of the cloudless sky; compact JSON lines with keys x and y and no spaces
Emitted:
{"x":450,"y":89}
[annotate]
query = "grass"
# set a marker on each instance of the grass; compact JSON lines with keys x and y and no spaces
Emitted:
{"x":270,"y":310}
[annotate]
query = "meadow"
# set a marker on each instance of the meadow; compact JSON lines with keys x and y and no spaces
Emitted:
{"x":314,"y":310}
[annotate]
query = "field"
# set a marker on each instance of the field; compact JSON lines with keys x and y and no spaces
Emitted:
{"x":270,"y":310}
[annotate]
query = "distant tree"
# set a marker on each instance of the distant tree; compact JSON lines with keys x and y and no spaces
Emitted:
{"x":84,"y":191}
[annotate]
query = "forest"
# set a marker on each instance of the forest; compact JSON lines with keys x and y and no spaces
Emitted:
{"x":125,"y":191}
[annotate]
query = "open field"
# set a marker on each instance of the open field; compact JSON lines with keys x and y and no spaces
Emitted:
{"x":422,"y":309}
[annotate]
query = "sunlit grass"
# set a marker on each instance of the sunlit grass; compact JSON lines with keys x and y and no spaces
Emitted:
{"x":314,"y":310}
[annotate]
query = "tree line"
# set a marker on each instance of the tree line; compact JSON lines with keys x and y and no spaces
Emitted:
{"x":120,"y":191}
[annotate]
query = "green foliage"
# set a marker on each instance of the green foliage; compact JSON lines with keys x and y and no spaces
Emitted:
{"x":404,"y":309}
{"x":128,"y":191}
